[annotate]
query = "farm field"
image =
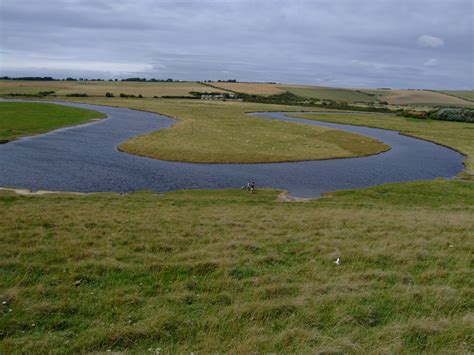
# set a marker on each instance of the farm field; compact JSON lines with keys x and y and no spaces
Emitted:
{"x":463,"y":94}
{"x":336,"y":94}
{"x":100,"y":88}
{"x":31,"y":86}
{"x":249,"y":88}
{"x":314,"y":92}
{"x":418,"y":97}
{"x":396,"y":98}
{"x":362,"y":95}
{"x":23,"y":119}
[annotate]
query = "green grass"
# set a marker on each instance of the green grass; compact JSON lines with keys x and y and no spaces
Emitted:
{"x":463,"y":94}
{"x":336,"y":94}
{"x":222,"y":132}
{"x":18,"y":119}
{"x":228,"y":271}
{"x":457,"y":135}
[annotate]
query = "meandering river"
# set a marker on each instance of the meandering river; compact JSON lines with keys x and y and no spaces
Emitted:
{"x":85,"y":159}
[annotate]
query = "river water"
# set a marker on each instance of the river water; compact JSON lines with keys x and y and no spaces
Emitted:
{"x":85,"y":159}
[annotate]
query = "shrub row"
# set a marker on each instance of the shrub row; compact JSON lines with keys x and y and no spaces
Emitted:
{"x":288,"y":98}
{"x":454,"y":114}
{"x":130,"y":96}
{"x":40,"y":94}
{"x":76,"y":95}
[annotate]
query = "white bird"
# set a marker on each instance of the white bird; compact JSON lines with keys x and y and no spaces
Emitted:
{"x":338,"y":261}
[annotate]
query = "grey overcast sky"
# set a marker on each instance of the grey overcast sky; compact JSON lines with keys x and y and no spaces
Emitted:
{"x":355,"y":43}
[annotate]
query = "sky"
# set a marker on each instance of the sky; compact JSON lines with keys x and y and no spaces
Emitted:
{"x":346,"y":43}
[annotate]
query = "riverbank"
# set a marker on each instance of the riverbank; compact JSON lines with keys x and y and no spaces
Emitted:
{"x":54,"y":162}
{"x":456,"y":135}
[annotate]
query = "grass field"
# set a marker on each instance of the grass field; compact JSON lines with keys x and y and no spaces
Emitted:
{"x":347,"y":95}
{"x":393,"y":97}
{"x":159,"y":89}
{"x":220,"y":271}
{"x":18,"y":119}
{"x":457,"y":135}
{"x":99,"y":88}
{"x":463,"y":94}
{"x":417,"y":97}
{"x":314,"y":92}
{"x":222,"y":132}
{"x":32,"y":87}
{"x":250,"y":88}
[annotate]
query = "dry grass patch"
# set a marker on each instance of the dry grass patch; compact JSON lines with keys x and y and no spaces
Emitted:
{"x":99,"y":88}
{"x":32,"y":87}
{"x":251,"y":88}
{"x":418,"y":97}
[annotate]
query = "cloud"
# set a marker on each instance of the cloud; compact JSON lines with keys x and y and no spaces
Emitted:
{"x":432,"y":62}
{"x":17,"y":63}
{"x":293,"y":41}
{"x":430,"y":41}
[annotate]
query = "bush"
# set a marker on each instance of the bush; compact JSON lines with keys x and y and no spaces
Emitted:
{"x":45,"y":93}
{"x":76,"y":95}
{"x":454,"y":114}
{"x":109,"y":94}
{"x":40,"y":94}
{"x":413,"y":114}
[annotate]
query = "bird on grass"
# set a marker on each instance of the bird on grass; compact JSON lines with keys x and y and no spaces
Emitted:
{"x":338,"y":261}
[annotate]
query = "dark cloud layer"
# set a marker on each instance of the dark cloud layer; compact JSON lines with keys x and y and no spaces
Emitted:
{"x":397,"y":43}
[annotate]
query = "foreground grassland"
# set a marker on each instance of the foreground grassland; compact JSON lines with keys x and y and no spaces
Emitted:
{"x":222,"y":132}
{"x":457,"y":135}
{"x":19,"y":119}
{"x":241,"y":272}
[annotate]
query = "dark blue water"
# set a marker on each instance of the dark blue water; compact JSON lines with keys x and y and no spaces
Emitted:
{"x":85,"y":159}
